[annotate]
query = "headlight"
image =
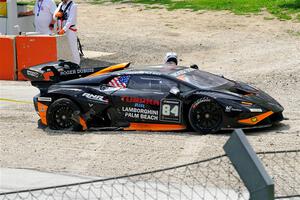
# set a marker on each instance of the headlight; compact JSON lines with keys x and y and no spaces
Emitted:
{"x":251,"y":106}
{"x":246,"y":103}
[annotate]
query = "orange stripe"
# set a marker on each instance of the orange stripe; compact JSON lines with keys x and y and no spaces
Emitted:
{"x":42,"y":108}
{"x":154,"y":127}
{"x":82,"y":123}
{"x":254,"y":120}
{"x":110,"y":69}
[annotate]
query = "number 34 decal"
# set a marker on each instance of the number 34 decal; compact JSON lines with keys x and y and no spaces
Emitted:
{"x":170,"y":110}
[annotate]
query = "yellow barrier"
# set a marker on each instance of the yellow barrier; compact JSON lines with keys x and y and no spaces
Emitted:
{"x":3,"y":10}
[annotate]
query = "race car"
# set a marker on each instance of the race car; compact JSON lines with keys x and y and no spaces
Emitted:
{"x":163,"y":97}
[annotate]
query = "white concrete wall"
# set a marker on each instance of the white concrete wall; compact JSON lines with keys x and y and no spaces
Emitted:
{"x":3,"y":25}
{"x":7,"y":25}
{"x":26,"y":23}
{"x":63,"y":48}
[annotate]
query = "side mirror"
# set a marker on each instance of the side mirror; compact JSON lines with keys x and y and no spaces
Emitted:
{"x":194,"y":66}
{"x":175,"y":91}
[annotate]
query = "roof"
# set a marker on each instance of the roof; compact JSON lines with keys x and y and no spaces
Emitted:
{"x":159,"y":69}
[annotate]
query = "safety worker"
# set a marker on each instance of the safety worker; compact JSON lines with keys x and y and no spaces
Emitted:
{"x":66,"y":15}
{"x":43,"y":16}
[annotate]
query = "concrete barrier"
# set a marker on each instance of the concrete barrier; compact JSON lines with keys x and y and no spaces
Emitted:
{"x":24,"y":51}
{"x":34,"y":50}
{"x":7,"y":58}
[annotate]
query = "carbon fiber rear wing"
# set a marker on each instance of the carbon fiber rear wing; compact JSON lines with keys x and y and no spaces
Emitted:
{"x":63,"y":71}
{"x":58,"y":71}
{"x":44,"y":75}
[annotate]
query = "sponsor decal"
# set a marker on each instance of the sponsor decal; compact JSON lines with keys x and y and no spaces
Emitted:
{"x":77,"y":71}
{"x":140,"y":113}
{"x":68,"y":72}
{"x":95,"y":97}
{"x":139,"y":105}
{"x":140,"y":100}
{"x":201,"y":100}
{"x":144,"y":72}
{"x":231,"y":109}
{"x":48,"y":99}
{"x":170,"y":110}
{"x":85,"y":70}
{"x":254,"y":119}
{"x":255,"y":109}
{"x":32,"y":73}
{"x":181,"y":72}
{"x":91,"y":105}
{"x":119,"y":82}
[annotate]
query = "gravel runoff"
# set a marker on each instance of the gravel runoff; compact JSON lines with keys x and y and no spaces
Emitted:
{"x":248,"y":48}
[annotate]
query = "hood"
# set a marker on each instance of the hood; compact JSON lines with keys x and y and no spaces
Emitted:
{"x":254,"y":95}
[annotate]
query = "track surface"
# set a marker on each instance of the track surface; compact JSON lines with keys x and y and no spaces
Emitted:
{"x":251,"y":49}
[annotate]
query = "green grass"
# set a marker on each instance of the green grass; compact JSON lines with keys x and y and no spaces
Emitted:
{"x":282,"y":9}
{"x":31,"y":2}
{"x":293,"y":33}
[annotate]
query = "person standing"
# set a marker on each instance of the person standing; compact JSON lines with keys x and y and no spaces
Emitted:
{"x":43,"y":16}
{"x":43,"y":12}
{"x":66,"y":15}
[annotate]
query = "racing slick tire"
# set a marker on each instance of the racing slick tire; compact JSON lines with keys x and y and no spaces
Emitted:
{"x":63,"y":114}
{"x":205,"y":116}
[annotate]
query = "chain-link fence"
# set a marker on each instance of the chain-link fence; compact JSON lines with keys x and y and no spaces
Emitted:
{"x":284,"y":169}
{"x":214,"y":178}
{"x":209,"y":179}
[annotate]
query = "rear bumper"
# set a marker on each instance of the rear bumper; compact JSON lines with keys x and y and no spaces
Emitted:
{"x":35,"y":101}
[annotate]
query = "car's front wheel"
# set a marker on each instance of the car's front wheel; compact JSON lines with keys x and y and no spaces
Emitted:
{"x":63,"y":114}
{"x":205,"y":116}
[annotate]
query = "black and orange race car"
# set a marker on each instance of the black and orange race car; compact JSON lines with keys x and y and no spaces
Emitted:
{"x":156,"y":98}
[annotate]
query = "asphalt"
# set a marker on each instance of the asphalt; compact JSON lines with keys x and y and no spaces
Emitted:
{"x":22,"y":179}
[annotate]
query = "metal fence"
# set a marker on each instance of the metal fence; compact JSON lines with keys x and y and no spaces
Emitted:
{"x":214,"y":178}
{"x":284,"y":169}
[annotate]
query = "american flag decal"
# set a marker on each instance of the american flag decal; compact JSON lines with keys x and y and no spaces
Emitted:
{"x":119,"y":81}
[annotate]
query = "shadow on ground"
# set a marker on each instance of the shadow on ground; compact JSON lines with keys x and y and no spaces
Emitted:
{"x":275,"y":129}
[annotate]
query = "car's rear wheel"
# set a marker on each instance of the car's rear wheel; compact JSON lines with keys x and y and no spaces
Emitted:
{"x":63,"y":114}
{"x":205,"y":116}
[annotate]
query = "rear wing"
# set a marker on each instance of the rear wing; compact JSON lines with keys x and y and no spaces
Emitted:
{"x":54,"y":72}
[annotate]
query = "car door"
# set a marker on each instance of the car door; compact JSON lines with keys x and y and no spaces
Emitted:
{"x":145,"y":100}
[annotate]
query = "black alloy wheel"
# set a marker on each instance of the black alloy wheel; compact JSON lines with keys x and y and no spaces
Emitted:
{"x":63,"y":114}
{"x":205,"y":116}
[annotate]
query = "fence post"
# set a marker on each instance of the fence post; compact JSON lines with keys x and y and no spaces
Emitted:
{"x":249,"y":167}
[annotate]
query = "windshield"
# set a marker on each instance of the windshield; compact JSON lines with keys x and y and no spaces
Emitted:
{"x":202,"y":79}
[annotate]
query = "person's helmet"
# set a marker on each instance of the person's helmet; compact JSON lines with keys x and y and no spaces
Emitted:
{"x":171,"y":57}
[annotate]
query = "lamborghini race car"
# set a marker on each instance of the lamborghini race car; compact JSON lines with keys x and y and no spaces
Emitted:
{"x":155,"y":98}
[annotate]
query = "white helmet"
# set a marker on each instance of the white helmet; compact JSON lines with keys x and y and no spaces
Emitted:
{"x":171,"y":57}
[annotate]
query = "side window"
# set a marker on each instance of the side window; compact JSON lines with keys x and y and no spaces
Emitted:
{"x":139,"y":82}
{"x":184,"y":88}
{"x":167,"y":84}
{"x":150,"y":82}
